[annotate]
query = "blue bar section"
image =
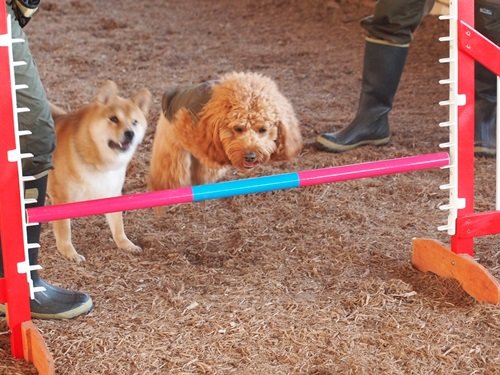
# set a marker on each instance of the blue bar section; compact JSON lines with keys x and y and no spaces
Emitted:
{"x":245,"y":186}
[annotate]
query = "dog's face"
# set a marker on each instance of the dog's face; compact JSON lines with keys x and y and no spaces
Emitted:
{"x":118,"y":125}
{"x":255,"y":123}
{"x":249,"y":137}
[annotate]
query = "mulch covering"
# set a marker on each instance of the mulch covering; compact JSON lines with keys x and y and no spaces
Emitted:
{"x":304,"y":281}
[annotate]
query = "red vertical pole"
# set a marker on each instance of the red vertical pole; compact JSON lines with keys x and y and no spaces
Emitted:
{"x":15,"y":288}
{"x":460,"y":242}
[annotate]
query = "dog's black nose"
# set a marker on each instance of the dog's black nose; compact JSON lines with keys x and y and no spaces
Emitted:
{"x":129,"y":135}
{"x":250,"y":156}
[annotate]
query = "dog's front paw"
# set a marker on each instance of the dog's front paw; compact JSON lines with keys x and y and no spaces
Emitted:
{"x":78,"y":258}
{"x":134,"y":249}
{"x":129,"y":246}
{"x":70,"y":253}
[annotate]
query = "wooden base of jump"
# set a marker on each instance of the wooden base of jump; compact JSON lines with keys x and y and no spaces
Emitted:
{"x":35,"y":349}
{"x":433,"y":256}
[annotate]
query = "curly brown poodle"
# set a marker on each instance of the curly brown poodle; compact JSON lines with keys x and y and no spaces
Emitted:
{"x":240,"y":120}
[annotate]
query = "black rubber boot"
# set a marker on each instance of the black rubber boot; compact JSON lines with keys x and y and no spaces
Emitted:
{"x":485,"y":112}
{"x":382,"y":69}
{"x":54,"y":302}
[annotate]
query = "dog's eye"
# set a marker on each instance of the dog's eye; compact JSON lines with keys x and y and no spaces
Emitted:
{"x":238,"y":129}
{"x":262,"y":130}
{"x":114,"y":119}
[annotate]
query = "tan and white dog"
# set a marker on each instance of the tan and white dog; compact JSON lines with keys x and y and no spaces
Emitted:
{"x":94,"y":147}
{"x":241,"y":120}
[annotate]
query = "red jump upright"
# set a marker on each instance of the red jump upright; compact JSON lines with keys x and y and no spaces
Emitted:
{"x":26,"y":341}
{"x":464,"y":224}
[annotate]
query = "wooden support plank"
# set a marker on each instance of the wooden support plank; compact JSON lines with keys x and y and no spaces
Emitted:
{"x":430,"y":255}
{"x":35,"y":349}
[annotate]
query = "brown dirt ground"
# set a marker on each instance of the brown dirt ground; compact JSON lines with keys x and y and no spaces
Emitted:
{"x":312,"y":281}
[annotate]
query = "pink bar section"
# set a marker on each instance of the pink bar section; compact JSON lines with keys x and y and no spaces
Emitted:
{"x":108,"y":205}
{"x":372,"y":169}
{"x":185,"y":195}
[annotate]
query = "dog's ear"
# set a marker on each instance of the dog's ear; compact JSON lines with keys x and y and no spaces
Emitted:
{"x":289,"y":140}
{"x":206,"y":135}
{"x":143,"y":100}
{"x":106,"y":92}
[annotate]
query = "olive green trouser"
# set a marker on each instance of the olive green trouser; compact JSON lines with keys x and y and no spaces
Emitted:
{"x":38,"y":120}
{"x":395,"y":21}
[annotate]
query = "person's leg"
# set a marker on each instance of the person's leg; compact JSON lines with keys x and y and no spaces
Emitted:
{"x":390,"y":31}
{"x":383,"y":65}
{"x":485,"y":112}
{"x":38,"y":120}
{"x":487,"y":22}
{"x":54,"y":303}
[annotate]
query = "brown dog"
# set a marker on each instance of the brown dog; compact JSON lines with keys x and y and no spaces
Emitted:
{"x":241,"y":120}
{"x":94,"y":146}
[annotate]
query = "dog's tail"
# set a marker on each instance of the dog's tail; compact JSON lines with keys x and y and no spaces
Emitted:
{"x":56,"y":111}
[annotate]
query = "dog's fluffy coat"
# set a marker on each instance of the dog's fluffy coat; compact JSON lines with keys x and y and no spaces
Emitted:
{"x":241,"y":120}
{"x":94,"y":147}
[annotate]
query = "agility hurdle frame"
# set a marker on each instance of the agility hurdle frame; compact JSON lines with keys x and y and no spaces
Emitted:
{"x":16,"y":286}
{"x":464,"y":224}
{"x":466,"y":46}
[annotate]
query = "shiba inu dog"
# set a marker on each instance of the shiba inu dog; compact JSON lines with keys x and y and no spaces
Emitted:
{"x":94,"y":146}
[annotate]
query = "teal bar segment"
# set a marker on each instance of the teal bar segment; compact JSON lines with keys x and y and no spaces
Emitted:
{"x":246,"y":186}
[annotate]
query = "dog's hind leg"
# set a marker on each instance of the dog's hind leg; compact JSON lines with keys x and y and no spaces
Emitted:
{"x":170,"y":165}
{"x":175,"y":173}
{"x":62,"y":232}
{"x":115,"y":221}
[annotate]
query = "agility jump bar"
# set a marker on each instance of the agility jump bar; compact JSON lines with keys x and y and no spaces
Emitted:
{"x":227,"y":189}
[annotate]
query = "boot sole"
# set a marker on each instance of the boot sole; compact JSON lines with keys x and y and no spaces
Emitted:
{"x":326,"y":145}
{"x":485,"y":151}
{"x":80,"y":310}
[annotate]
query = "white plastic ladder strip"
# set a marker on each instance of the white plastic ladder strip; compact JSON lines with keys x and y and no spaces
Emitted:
{"x":15,"y":155}
{"x":455,"y":100}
